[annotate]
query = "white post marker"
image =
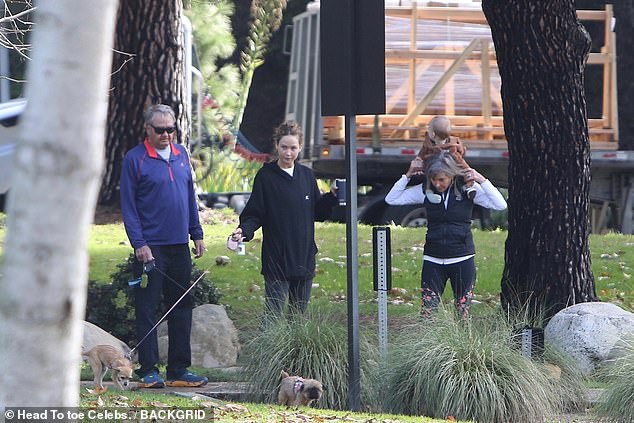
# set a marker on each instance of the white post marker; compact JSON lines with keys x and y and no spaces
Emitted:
{"x":531,"y":342}
{"x":382,"y":278}
{"x":527,"y":342}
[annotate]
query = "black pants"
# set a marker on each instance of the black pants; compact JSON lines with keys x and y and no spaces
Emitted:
{"x":171,"y":278}
{"x":434,"y":278}
{"x":277,"y":290}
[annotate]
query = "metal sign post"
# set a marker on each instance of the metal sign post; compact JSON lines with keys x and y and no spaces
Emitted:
{"x":531,"y":342}
{"x":527,"y":343}
{"x":352,"y":256}
{"x":382,"y":278}
{"x":352,"y":72}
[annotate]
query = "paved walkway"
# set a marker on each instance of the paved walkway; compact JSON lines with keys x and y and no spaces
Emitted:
{"x":220,"y":390}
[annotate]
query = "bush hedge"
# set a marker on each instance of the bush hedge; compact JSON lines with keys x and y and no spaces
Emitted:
{"x":111,"y":306}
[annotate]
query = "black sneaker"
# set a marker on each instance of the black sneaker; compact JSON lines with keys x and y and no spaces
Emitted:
{"x":471,"y":192}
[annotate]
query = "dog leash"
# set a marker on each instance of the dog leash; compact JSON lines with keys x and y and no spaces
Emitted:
{"x":149,"y":266}
{"x":129,"y":354}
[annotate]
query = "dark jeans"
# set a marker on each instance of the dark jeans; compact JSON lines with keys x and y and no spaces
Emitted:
{"x":277,"y":290}
{"x":434,"y":278}
{"x":171,"y":278}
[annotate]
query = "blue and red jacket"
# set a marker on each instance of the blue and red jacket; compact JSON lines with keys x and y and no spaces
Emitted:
{"x":158,"y":202}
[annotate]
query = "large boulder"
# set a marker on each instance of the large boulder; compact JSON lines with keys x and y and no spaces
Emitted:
{"x":214,"y":338}
{"x":94,"y":335}
{"x":589,"y":332}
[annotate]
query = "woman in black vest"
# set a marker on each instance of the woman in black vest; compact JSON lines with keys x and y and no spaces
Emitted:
{"x":449,"y":250}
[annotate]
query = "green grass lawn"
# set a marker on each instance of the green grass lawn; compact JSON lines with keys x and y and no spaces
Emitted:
{"x":132,"y":403}
{"x":241,"y":284}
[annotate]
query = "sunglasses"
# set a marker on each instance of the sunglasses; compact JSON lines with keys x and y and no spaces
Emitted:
{"x":160,"y":129}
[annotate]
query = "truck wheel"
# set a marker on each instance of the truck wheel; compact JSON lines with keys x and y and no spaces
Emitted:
{"x":415,"y":219}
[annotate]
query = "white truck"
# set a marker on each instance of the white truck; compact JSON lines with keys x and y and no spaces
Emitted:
{"x":440,"y":60}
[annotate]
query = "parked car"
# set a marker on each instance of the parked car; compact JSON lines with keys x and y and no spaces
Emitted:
{"x":10,"y":112}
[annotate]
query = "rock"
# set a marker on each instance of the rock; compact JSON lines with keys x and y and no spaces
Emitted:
{"x":94,"y":335}
{"x":589,"y":332}
{"x":222,"y":260}
{"x":214,"y":339}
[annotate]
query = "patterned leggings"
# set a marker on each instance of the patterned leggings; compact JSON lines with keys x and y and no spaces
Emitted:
{"x":434,"y":278}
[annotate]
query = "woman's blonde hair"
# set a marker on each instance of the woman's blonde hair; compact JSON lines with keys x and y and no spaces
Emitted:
{"x":290,"y":127}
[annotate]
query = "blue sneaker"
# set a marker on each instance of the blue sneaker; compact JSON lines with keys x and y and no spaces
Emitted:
{"x":152,"y":380}
{"x":187,"y":379}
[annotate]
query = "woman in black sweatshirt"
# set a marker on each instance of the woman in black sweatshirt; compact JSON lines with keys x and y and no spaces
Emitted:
{"x":285,"y":202}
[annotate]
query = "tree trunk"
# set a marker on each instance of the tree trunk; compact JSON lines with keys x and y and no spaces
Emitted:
{"x":56,"y":177}
{"x":148,"y":68}
{"x":541,"y":52}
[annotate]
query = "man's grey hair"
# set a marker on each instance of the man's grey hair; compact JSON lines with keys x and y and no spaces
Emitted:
{"x":442,"y":162}
{"x":158,"y":109}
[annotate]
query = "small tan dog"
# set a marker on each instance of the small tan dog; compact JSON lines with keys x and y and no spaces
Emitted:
{"x":295,"y":390}
{"x":104,"y":357}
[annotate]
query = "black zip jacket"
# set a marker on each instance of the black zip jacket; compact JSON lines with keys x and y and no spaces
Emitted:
{"x":449,"y":230}
{"x":286,"y":208}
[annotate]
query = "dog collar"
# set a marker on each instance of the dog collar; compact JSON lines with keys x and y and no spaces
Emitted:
{"x":299,"y":385}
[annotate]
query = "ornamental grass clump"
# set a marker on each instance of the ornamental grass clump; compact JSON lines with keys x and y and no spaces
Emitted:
{"x":312,"y":346}
{"x":616,"y":404}
{"x":468,"y":370}
{"x":568,"y":382}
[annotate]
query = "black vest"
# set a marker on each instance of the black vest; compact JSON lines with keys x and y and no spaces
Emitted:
{"x":449,"y":230}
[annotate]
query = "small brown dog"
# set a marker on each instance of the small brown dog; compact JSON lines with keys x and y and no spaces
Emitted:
{"x":295,"y":390}
{"x":104,"y":357}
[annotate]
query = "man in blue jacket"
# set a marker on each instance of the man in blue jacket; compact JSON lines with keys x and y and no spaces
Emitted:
{"x":160,"y":213}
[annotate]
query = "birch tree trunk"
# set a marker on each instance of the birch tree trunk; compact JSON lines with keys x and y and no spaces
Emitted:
{"x":56,"y":178}
{"x":148,"y":68}
{"x":541,"y":51}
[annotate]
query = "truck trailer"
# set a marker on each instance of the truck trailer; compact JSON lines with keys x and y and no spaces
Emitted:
{"x":440,"y":60}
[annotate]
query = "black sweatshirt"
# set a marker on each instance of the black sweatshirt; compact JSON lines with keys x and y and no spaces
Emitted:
{"x":286,"y":208}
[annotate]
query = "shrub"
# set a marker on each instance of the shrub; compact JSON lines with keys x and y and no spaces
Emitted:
{"x":617,"y":402}
{"x":111,"y":306}
{"x":230,"y":172}
{"x":469,"y":370}
{"x":569,"y":387}
{"x":314,"y":347}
